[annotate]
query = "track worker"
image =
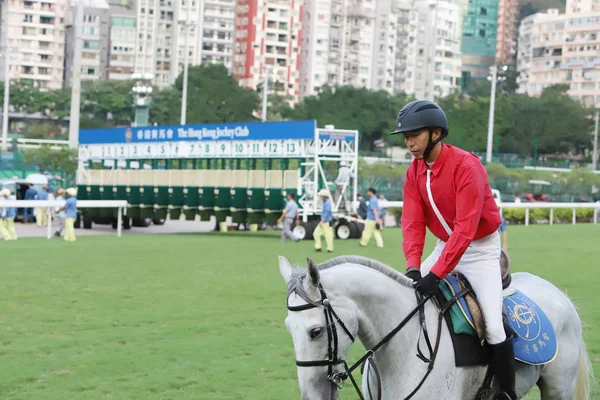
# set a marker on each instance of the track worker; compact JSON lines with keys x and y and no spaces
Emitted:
{"x":289,"y":214}
{"x":373,"y":219}
{"x":447,"y":190}
{"x":7,"y":221}
{"x":71,"y":214}
{"x":324,"y":228}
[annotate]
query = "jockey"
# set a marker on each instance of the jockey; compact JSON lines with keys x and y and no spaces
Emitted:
{"x":447,"y":190}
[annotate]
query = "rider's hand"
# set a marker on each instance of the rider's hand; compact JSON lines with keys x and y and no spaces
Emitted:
{"x":429,"y":284}
{"x":414,"y":273}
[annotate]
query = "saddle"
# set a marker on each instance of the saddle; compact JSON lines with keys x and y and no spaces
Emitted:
{"x":471,"y":300}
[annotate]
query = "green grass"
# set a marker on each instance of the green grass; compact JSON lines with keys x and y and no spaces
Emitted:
{"x":199,"y":316}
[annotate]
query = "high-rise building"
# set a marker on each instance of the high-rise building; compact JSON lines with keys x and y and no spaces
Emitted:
{"x":433,"y":53}
{"x":36,"y":41}
{"x":95,"y":37}
{"x":506,"y":37}
{"x":338,"y":44}
{"x":121,"y":60}
{"x":539,"y":56}
{"x":479,"y":37}
{"x":217,"y":39}
{"x":167,"y":29}
{"x":562,"y":49}
{"x":268,"y":36}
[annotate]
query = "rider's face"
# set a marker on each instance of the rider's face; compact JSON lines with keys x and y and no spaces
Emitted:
{"x":417,"y":141}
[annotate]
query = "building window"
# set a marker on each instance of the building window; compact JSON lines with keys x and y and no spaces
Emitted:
{"x":28,"y":18}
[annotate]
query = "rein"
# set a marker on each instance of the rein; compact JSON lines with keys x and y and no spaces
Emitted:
{"x":338,"y":378}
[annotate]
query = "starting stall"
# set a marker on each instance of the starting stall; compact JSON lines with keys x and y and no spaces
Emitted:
{"x":236,"y":172}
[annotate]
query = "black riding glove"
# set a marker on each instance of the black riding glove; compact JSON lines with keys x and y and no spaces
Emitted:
{"x":429,"y":284}
{"x":414,"y":274}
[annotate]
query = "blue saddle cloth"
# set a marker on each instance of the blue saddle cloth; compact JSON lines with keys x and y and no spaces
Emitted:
{"x":535,"y":342}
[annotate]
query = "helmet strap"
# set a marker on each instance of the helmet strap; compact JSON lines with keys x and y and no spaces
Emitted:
{"x":431,"y":144}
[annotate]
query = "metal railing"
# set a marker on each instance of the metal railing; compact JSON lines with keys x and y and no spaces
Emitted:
{"x":527,"y":207}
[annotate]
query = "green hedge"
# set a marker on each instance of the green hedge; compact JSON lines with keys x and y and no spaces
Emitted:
{"x":516,"y":216}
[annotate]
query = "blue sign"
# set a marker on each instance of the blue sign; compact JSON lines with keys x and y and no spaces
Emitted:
{"x":204,"y":132}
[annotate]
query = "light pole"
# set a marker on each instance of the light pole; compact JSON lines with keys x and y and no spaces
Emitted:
{"x":186,"y":24}
{"x":265,"y":94}
{"x":490,"y":133}
{"x":6,"y":80}
{"x":595,"y":153}
{"x":76,"y":78}
{"x":142,"y":92}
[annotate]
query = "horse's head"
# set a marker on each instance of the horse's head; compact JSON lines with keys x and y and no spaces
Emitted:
{"x":322,"y":329}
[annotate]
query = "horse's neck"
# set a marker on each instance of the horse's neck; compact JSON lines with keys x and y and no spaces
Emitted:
{"x":381,"y":303}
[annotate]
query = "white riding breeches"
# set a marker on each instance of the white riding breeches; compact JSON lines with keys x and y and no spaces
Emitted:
{"x":480,"y":264}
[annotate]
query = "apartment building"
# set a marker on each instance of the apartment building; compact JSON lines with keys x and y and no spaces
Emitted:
{"x":562,"y":49}
{"x":36,"y":41}
{"x":217,"y":38}
{"x":506,"y":36}
{"x":121,"y":52}
{"x":434,"y":36}
{"x":268,"y":36}
{"x":355,"y":42}
{"x":95,"y":37}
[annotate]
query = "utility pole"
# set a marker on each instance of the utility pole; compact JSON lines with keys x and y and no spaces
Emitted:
{"x":595,"y":153}
{"x":490,"y":134}
{"x":6,"y":81}
{"x":265,"y":94}
{"x":76,"y":80}
{"x":186,"y":25}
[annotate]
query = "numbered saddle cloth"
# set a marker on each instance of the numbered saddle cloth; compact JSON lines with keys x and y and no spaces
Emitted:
{"x":535,"y":340}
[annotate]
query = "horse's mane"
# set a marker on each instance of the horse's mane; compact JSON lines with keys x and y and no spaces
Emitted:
{"x":295,"y":285}
{"x":369,"y":263}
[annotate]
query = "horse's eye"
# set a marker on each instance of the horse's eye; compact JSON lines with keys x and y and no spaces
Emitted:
{"x":315,"y":332}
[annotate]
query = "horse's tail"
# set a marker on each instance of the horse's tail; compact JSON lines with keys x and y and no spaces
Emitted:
{"x":584,"y":375}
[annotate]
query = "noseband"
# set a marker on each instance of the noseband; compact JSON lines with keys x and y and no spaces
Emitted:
{"x":331,"y":318}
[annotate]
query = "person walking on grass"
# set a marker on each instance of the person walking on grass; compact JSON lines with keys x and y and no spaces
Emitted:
{"x":70,"y":209}
{"x":60,"y":213}
{"x":41,"y":213}
{"x":373,"y":219}
{"x":289,"y":214}
{"x":7,"y":223}
{"x":324,"y":227}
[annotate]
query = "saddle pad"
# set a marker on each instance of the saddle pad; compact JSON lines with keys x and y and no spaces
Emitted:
{"x":462,"y":320}
{"x":535,"y":341}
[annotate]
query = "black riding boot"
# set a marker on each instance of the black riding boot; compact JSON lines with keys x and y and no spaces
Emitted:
{"x":503,"y":367}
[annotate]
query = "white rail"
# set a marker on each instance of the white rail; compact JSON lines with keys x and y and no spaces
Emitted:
{"x":50,"y":204}
{"x":527,"y":207}
{"x":37,"y":143}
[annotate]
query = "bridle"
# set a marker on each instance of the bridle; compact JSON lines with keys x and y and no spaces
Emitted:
{"x":331,"y":318}
{"x":332,"y":341}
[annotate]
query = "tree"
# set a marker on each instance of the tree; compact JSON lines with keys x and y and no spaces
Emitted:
{"x":213,"y":96}
{"x":48,"y":160}
{"x":108,"y":101}
{"x":372,"y":113}
{"x":165,"y":108}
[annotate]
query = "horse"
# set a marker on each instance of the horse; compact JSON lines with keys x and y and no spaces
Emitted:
{"x":350,"y":297}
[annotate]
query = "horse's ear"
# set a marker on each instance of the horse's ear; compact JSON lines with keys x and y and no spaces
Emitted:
{"x":313,"y":272}
{"x":285,"y":269}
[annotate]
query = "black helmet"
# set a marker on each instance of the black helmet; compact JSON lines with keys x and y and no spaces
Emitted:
{"x":421,"y":114}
